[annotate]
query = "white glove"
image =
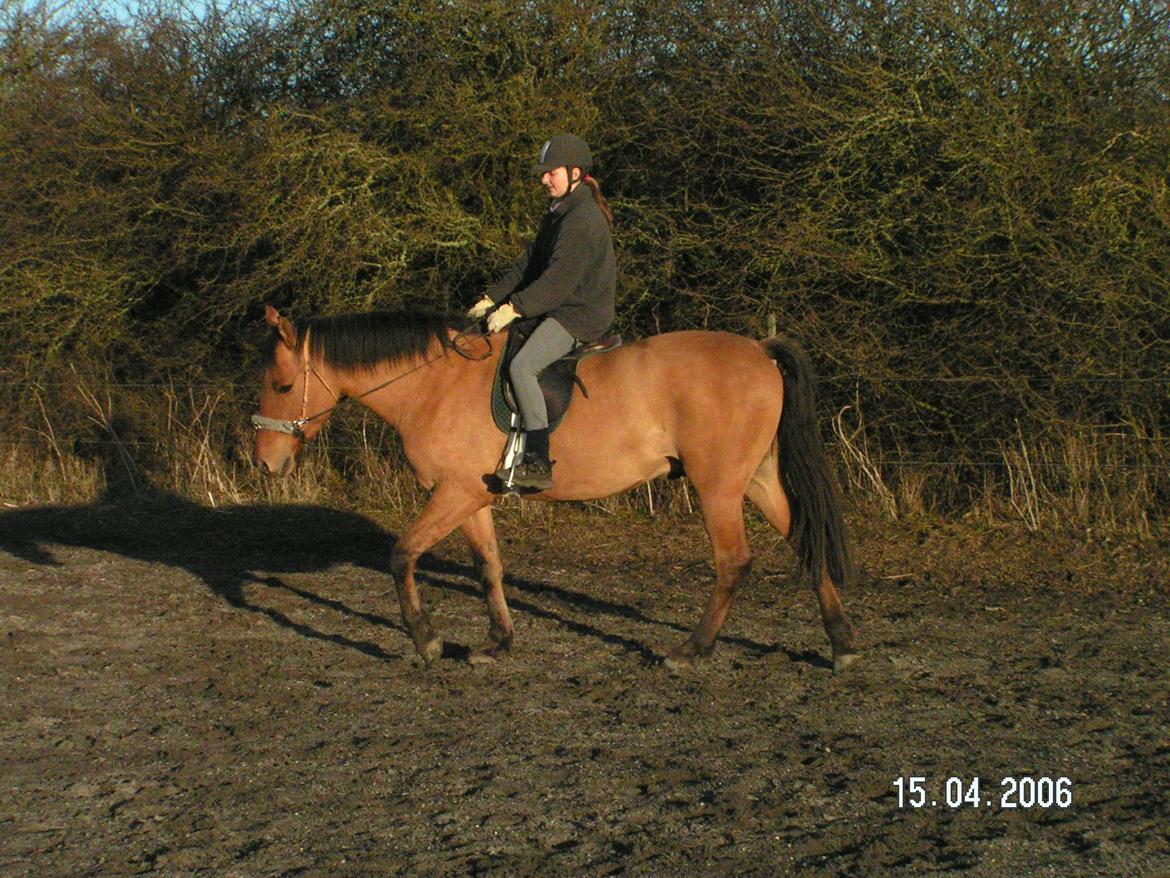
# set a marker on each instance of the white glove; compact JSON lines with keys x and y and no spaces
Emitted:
{"x":502,"y":316}
{"x":480,"y":308}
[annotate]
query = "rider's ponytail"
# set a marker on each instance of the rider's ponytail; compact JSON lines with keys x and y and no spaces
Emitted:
{"x":595,"y":187}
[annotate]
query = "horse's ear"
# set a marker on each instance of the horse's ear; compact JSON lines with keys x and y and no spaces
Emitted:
{"x":283,"y":325}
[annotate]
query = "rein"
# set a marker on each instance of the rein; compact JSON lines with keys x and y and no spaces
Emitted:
{"x":295,"y":427}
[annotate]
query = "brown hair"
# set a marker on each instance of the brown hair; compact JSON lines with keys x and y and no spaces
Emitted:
{"x":599,"y":198}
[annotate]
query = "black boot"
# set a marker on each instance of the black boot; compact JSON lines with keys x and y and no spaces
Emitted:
{"x":535,"y":471}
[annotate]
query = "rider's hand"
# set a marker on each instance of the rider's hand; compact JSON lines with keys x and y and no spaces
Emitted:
{"x":502,"y":316}
{"x":480,"y":308}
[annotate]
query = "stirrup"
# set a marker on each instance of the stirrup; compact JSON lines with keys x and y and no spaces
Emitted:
{"x":513,"y":454}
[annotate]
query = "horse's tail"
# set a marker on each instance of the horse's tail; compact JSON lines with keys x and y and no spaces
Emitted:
{"x":818,"y":527}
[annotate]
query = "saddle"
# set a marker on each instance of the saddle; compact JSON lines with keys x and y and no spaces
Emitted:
{"x":556,"y":381}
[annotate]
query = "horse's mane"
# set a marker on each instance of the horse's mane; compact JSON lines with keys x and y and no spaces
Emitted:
{"x":363,"y":341}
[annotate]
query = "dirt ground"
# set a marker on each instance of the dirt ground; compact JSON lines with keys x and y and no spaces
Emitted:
{"x":229,"y":692}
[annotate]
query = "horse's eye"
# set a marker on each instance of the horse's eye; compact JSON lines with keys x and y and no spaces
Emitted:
{"x":284,"y":388}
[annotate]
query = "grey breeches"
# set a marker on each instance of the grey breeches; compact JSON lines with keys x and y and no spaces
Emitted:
{"x":548,"y":343}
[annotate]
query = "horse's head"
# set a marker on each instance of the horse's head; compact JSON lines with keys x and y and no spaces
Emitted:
{"x":295,"y":400}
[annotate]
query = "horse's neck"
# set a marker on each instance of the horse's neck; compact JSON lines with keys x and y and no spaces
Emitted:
{"x":397,"y":392}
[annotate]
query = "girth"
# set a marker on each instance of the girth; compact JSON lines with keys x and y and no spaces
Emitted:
{"x":556,"y":381}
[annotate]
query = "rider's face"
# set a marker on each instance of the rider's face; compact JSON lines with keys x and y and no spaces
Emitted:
{"x":556,"y":182}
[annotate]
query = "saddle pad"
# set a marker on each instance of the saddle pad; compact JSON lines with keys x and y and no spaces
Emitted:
{"x":556,"y":381}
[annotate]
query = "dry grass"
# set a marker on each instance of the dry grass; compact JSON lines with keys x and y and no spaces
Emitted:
{"x":1108,"y":481}
{"x":33,"y":474}
{"x":863,"y":470}
{"x":200,"y":450}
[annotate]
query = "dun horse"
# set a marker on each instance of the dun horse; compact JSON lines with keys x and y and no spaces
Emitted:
{"x":735,"y":414}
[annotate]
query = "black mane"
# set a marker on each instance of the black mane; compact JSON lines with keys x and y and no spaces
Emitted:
{"x":363,"y":341}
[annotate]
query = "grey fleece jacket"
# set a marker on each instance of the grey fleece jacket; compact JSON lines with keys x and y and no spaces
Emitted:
{"x":568,"y":272}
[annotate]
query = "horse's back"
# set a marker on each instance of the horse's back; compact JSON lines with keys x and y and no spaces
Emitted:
{"x":688,"y":368}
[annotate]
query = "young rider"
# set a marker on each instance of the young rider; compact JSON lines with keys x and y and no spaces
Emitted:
{"x":567,"y":276}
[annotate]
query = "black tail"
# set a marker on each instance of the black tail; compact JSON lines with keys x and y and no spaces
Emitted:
{"x":818,"y":528}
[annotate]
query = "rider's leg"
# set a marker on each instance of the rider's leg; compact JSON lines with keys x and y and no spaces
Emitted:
{"x":548,"y":343}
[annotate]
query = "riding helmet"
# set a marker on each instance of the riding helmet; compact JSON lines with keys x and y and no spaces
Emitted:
{"x":564,"y":150}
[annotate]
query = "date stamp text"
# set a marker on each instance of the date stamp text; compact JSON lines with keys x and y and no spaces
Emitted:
{"x":1024,"y":792}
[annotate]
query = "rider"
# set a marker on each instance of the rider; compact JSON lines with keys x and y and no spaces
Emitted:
{"x":567,"y":276}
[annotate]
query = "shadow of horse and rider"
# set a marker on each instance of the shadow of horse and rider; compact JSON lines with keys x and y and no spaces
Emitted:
{"x":233,"y":549}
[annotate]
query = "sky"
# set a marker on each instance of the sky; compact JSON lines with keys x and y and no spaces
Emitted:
{"x":122,"y":10}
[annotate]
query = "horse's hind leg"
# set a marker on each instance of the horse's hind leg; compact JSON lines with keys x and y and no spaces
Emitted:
{"x":767,"y":494}
{"x":836,"y":625}
{"x":481,"y":535}
{"x":723,"y":518}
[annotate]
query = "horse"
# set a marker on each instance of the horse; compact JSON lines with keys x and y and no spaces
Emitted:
{"x":735,"y":415}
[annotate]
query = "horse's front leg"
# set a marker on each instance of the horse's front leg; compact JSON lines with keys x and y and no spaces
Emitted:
{"x":481,"y":535}
{"x":446,"y":509}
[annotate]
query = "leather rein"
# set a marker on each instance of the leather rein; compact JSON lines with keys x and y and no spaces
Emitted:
{"x":296,"y":427}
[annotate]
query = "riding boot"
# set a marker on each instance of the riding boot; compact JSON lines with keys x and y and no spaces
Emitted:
{"x":536,"y":469}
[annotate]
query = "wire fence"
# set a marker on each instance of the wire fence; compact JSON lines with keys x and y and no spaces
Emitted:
{"x":34,"y":439}
{"x":835,"y":379}
{"x":237,"y":398}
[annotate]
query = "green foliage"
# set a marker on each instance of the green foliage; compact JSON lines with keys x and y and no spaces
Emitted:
{"x":962,"y":209}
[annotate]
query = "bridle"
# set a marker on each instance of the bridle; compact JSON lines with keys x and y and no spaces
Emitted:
{"x":296,"y":427}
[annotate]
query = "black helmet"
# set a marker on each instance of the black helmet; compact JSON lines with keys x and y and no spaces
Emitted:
{"x":564,"y":150}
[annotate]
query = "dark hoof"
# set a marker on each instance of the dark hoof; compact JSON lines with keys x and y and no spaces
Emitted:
{"x":497,"y":644}
{"x":486,"y":655}
{"x":680,"y":664}
{"x":685,"y":657}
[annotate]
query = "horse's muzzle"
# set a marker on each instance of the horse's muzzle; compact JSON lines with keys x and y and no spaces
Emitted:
{"x":274,"y":469}
{"x":273,"y":457}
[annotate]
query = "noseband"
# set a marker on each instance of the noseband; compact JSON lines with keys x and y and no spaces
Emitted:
{"x":296,"y":428}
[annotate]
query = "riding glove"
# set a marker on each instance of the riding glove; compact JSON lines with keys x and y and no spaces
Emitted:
{"x":501,"y":317}
{"x":480,"y":308}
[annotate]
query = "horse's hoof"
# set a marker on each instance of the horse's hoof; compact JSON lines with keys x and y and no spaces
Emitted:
{"x":678,"y":664}
{"x":844,"y":660}
{"x":681,"y":660}
{"x":431,"y":650}
{"x":685,"y":656}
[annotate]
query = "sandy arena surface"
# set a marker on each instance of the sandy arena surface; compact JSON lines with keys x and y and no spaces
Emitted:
{"x":229,"y":692}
